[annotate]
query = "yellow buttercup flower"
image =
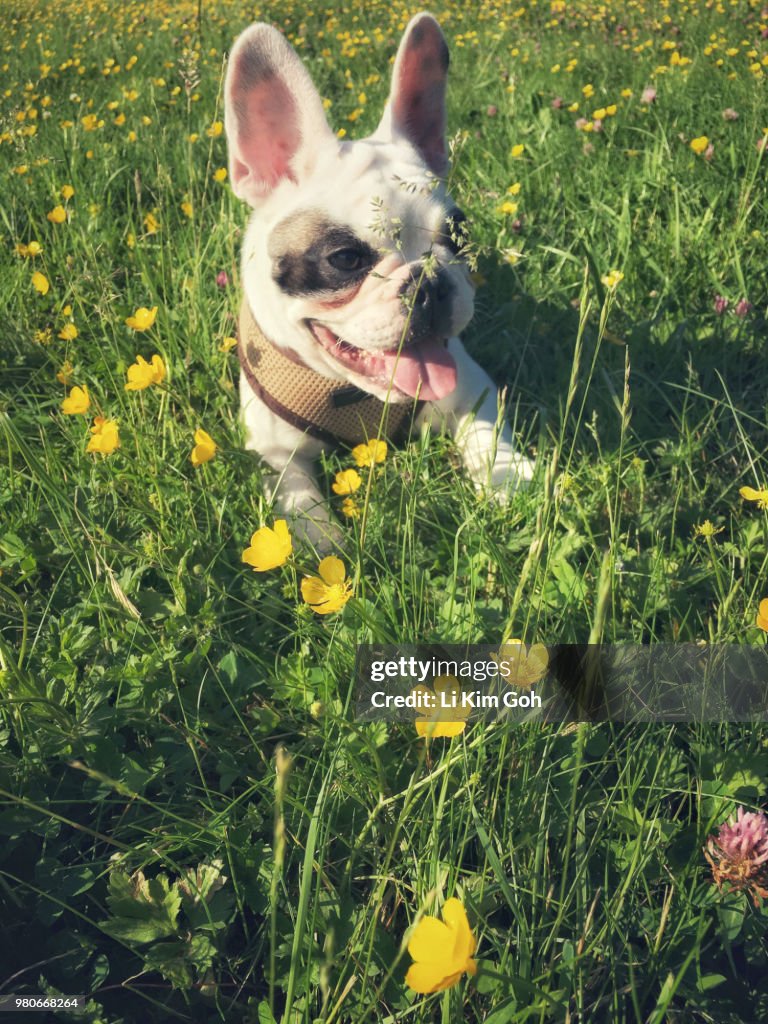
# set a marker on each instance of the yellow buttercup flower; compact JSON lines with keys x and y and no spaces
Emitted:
{"x":57,"y":215}
{"x":330,"y":590}
{"x":215,"y":130}
{"x":143,"y":374}
{"x":33,"y":249}
{"x":347,"y":482}
{"x":220,"y":174}
{"x":270,"y":547}
{"x":186,"y":208}
{"x":228,"y":344}
{"x":442,"y":950}
{"x":40,"y":283}
{"x":67,"y":191}
{"x":105,"y":438}
{"x":448,"y":715}
{"x":762,"y":615}
{"x":65,"y":372}
{"x":76,"y":402}
{"x":750,"y":494}
{"x":350,"y":508}
{"x":369,"y":453}
{"x":707,"y":529}
{"x":205,"y":448}
{"x":517,"y":151}
{"x":68,"y":332}
{"x":612,"y":278}
{"x":142,"y":319}
{"x":151,"y":224}
{"x":700,"y":144}
{"x":521,"y":666}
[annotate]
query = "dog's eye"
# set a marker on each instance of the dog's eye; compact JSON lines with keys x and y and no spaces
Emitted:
{"x":347,"y":260}
{"x":456,"y":232}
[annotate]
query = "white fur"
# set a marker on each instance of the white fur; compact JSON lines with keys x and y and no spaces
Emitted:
{"x":383,"y":189}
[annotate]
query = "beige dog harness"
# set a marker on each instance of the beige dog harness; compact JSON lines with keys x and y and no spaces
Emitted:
{"x":326,"y":409}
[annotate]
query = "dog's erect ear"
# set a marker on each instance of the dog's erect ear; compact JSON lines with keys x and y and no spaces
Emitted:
{"x":273,"y":115}
{"x":415,"y":109}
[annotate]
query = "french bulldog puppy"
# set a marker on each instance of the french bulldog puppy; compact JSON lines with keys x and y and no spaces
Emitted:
{"x":355,"y":288}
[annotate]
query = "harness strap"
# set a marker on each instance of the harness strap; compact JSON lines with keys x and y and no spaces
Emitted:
{"x":326,"y":409}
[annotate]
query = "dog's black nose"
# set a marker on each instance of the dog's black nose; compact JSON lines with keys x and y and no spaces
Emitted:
{"x":437,"y":289}
{"x":429,"y":300}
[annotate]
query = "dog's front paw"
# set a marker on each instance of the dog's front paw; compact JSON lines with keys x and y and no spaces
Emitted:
{"x":510,"y":472}
{"x":298,"y":499}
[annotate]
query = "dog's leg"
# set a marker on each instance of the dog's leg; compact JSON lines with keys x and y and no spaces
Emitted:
{"x":291,"y":454}
{"x":296,"y":495}
{"x":471,"y":414}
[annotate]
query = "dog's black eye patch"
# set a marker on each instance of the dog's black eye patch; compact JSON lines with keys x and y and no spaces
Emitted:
{"x":455,"y":233}
{"x":348,"y":261}
{"x":311,"y":255}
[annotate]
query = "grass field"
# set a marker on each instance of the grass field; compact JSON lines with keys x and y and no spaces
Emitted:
{"x":194,"y":826}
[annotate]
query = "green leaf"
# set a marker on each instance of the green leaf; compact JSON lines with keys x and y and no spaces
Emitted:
{"x":265,"y":1014}
{"x":199,"y":888}
{"x":708,"y":981}
{"x":180,"y":961}
{"x":229,"y":667}
{"x":731,"y":918}
{"x":99,"y":971}
{"x":486,"y":983}
{"x":199,"y":884}
{"x":501,"y":1015}
{"x":143,"y":910}
{"x":13,"y":547}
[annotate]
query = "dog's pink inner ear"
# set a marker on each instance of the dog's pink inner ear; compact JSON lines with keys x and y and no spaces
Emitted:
{"x":418,"y":100}
{"x":267,"y":133}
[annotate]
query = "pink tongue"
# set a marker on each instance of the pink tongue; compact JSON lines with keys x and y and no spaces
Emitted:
{"x":427,"y":363}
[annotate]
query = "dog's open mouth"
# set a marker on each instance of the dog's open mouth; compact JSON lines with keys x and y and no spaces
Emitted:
{"x":424,"y":368}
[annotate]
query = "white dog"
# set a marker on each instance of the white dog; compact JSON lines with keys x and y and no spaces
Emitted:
{"x":355,"y":286}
